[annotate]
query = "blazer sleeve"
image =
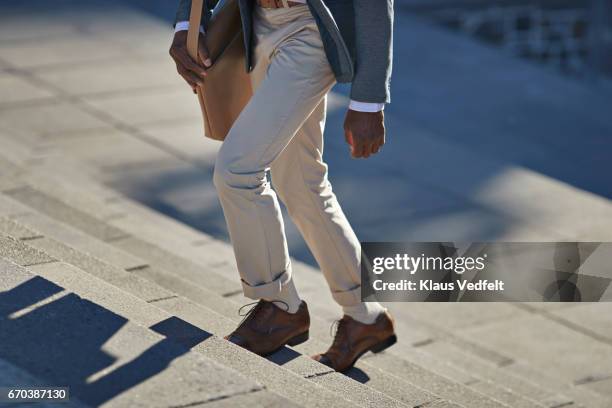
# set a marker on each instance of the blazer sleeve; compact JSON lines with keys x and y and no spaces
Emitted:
{"x":373,"y":50}
{"x":184,"y":10}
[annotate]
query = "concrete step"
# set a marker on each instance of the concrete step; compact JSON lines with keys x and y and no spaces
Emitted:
{"x":498,"y":390}
{"x":105,"y":358}
{"x":492,"y":364}
{"x":169,"y":260}
{"x":176,"y":331}
{"x":80,"y":220}
{"x":134,"y":283}
{"x":512,"y":395}
{"x":550,"y":397}
{"x":216,"y":324}
{"x":12,"y":376}
{"x":146,"y":249}
{"x":384,"y":382}
{"x":259,"y":399}
{"x":47,"y":239}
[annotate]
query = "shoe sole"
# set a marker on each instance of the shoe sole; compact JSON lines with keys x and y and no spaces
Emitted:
{"x":294,"y":341}
{"x":299,"y":339}
{"x":383,"y":345}
{"x":377,"y":348}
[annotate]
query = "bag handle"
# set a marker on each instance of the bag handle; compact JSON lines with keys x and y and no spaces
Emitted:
{"x":193,"y":34}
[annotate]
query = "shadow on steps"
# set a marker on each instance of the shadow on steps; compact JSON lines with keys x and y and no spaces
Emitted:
{"x":61,"y":342}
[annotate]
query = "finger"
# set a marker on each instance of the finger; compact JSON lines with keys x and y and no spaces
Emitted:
{"x":377,"y":145}
{"x":355,"y":146}
{"x":367,"y":150}
{"x":375,"y":148}
{"x":359,"y":149}
{"x":203,"y":54}
{"x":189,"y":77}
{"x":192,"y":79}
{"x":348,"y":136}
{"x":187,"y":63}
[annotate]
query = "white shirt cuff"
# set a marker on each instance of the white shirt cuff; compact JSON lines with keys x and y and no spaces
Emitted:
{"x":366,"y":106}
{"x":184,"y":26}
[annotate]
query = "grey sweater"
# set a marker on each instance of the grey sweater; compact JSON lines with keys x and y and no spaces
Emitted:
{"x":358,"y":40}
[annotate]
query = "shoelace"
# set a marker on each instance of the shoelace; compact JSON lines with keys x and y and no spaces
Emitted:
{"x":255,"y":306}
{"x":339,"y":333}
{"x":248,"y":312}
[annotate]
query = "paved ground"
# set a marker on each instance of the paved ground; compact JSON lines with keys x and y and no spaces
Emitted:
{"x":480,"y":146}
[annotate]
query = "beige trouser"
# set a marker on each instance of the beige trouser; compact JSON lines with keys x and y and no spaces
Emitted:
{"x":281,"y":130}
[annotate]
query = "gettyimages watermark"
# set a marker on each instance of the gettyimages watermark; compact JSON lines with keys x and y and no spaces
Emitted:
{"x":486,"y":272}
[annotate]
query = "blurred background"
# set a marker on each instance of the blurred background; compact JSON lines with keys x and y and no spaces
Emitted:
{"x":500,"y":128}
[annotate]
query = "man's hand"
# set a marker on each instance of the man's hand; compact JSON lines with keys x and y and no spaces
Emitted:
{"x":364,"y":132}
{"x":193,"y":72}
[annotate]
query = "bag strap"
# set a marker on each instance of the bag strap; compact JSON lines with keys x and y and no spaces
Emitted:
{"x":193,"y":34}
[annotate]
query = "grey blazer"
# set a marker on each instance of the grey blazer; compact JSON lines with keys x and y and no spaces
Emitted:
{"x":357,"y":36}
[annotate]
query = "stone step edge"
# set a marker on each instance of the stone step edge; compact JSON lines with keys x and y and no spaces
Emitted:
{"x":93,"y":277}
{"x":141,"y":281}
{"x":212,"y":294}
{"x":449,"y":379}
{"x":95,"y":299}
{"x":6,"y":262}
{"x":151,"y":213}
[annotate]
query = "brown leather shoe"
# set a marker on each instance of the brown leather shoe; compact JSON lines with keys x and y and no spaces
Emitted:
{"x":353,"y":339}
{"x":266,"y":328}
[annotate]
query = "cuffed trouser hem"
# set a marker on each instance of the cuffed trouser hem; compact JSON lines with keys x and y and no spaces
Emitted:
{"x":349,"y":297}
{"x":268,"y":290}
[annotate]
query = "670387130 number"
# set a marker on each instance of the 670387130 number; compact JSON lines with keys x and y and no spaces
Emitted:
{"x":29,"y":394}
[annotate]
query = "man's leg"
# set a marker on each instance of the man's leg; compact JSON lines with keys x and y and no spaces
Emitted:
{"x":291,"y":77}
{"x":299,"y":176}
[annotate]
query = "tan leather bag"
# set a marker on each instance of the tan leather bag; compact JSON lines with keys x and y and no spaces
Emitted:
{"x":227,"y":87}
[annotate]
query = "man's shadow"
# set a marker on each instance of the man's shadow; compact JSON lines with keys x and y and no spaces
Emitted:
{"x":60,"y":342}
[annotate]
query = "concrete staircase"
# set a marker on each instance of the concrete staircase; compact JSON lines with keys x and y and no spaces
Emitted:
{"x":128,"y":308}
